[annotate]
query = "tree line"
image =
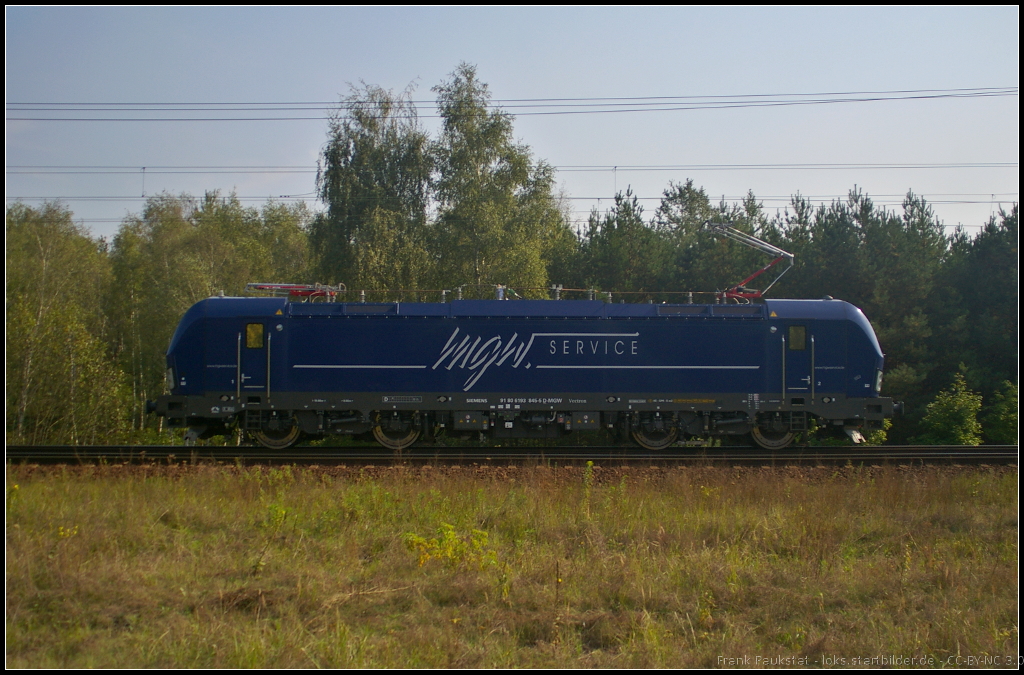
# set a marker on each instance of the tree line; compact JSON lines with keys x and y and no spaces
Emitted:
{"x":88,"y":320}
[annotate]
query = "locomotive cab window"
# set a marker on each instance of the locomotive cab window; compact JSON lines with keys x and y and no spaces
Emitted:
{"x":254,"y":335}
{"x":798,"y":338}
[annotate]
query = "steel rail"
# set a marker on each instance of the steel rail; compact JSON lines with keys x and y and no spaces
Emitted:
{"x":425,"y":454}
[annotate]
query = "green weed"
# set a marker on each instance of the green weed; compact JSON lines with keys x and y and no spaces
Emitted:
{"x":453,"y":550}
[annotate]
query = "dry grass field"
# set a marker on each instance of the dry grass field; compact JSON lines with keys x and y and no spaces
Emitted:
{"x":540,"y":566}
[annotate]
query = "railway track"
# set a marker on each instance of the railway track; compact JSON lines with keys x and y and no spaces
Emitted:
{"x":605,"y":455}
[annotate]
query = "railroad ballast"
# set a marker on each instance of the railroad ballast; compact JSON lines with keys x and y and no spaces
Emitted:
{"x":655,"y":373}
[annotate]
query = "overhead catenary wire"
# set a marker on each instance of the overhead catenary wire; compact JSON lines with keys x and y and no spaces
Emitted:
{"x":877,"y":198}
{"x":579,"y":216}
{"x":628,"y":100}
{"x":182,"y":111}
{"x":286,"y":169}
{"x":521,"y":107}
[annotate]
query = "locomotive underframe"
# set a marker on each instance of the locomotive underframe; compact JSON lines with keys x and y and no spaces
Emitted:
{"x":396,"y":420}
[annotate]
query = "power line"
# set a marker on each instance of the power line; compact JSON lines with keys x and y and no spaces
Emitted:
{"x":510,"y":101}
{"x":128,"y":198}
{"x":574,"y":168}
{"x":113,"y":171}
{"x":666,"y":104}
{"x":798,"y":167}
{"x":877,"y":198}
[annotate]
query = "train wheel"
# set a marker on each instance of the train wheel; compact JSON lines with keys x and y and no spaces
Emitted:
{"x":772,"y":440}
{"x":278,"y":440}
{"x":655,"y":440}
{"x":393,"y":440}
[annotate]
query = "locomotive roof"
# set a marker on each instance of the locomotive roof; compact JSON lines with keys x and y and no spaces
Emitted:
{"x":825,"y":309}
{"x":770,"y":309}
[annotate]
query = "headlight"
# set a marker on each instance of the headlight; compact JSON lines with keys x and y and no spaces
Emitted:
{"x":169,"y":375}
{"x":878,"y":381}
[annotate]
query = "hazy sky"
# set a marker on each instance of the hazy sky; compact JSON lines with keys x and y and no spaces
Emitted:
{"x":960,"y":152}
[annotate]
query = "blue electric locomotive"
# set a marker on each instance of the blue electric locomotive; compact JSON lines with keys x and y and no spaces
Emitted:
{"x":523,"y":368}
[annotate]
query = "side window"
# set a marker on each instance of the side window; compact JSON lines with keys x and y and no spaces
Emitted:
{"x":254,"y":335}
{"x":798,"y":338}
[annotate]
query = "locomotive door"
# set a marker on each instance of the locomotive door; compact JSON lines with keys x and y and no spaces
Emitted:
{"x":253,"y":363}
{"x":798,"y":364}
